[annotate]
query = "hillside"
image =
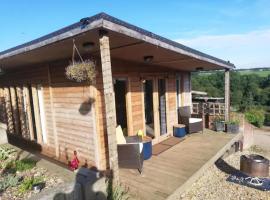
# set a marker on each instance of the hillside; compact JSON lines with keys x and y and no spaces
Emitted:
{"x":262,"y":72}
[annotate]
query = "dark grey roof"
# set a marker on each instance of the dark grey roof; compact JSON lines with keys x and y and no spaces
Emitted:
{"x":107,"y":17}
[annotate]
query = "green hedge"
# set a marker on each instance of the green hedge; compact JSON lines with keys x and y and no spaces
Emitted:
{"x":267,"y":119}
{"x":255,"y":116}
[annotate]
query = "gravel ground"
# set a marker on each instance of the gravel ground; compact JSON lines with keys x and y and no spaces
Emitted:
{"x":51,"y":181}
{"x":213,"y":185}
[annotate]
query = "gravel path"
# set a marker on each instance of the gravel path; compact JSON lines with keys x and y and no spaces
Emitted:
{"x":213,"y":185}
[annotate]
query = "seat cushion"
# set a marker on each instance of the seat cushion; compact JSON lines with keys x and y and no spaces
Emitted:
{"x":120,"y":136}
{"x":194,"y":120}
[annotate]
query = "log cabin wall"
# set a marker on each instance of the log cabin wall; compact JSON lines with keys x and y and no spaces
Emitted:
{"x":134,"y":73}
{"x":75,"y":113}
{"x":68,"y":112}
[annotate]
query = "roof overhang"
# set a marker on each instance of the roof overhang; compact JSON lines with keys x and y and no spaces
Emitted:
{"x":127,"y":42}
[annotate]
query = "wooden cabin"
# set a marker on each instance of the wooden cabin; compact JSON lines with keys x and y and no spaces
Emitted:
{"x":141,"y":80}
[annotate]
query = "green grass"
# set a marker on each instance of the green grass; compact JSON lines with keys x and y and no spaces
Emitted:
{"x":259,"y":73}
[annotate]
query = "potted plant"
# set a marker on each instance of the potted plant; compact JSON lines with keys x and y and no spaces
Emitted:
{"x":219,"y":124}
{"x":232,"y":126}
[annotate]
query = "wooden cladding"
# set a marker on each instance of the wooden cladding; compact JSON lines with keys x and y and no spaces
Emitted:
{"x":42,"y":106}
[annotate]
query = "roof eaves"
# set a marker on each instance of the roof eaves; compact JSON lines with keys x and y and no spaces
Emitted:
{"x":98,"y":21}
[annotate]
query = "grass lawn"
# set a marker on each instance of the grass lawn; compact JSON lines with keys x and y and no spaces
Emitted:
{"x":259,"y":73}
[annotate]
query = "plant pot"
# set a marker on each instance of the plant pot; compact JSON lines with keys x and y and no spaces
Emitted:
{"x":232,"y":128}
{"x":219,"y":126}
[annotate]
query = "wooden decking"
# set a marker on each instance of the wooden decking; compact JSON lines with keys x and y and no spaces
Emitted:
{"x":165,"y":173}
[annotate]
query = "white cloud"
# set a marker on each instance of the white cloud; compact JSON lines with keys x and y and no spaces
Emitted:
{"x":244,"y":50}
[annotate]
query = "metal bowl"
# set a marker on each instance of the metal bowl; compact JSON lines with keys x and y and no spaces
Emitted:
{"x":254,"y":165}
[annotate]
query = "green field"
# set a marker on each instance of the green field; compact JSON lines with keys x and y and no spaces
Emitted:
{"x":264,"y":73}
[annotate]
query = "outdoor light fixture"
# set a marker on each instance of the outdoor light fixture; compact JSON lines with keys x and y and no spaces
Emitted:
{"x":199,"y":68}
{"x":88,"y":45}
{"x":148,"y":58}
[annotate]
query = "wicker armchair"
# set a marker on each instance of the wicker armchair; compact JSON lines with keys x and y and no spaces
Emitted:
{"x":193,"y":125}
{"x":130,"y":151}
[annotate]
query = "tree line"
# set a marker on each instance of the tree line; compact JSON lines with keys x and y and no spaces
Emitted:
{"x":247,"y":90}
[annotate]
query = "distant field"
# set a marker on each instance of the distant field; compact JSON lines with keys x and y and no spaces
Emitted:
{"x":259,"y":73}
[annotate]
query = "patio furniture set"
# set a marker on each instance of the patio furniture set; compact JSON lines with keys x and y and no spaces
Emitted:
{"x":133,"y":150}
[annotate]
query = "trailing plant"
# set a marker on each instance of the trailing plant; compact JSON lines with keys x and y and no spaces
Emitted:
{"x":28,"y":183}
{"x":83,"y":70}
{"x":9,"y":181}
{"x":255,"y":116}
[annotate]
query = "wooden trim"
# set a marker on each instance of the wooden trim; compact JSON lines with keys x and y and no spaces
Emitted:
{"x":96,"y":130}
{"x":29,"y":112}
{"x":9,"y":113}
{"x":143,"y":107}
{"x":15,"y":110}
{"x":167,"y":107}
{"x":55,"y":136}
{"x":129,"y":109}
{"x":156,"y":110}
{"x":36,"y":113}
{"x":21,"y":112}
{"x":227,"y":95}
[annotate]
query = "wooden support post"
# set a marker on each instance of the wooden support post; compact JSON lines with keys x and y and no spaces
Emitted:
{"x":37,"y":114}
{"x":109,"y":103}
{"x":227,"y":95}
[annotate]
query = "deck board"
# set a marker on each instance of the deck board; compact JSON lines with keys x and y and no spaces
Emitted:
{"x":164,"y":173}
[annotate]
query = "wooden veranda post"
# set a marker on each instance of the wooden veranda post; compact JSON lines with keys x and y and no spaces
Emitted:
{"x":109,"y":100}
{"x":227,"y":95}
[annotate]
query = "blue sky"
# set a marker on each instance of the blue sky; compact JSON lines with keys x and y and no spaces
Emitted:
{"x":235,"y":30}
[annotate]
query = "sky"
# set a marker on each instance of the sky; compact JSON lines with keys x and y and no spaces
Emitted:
{"x":234,"y":30}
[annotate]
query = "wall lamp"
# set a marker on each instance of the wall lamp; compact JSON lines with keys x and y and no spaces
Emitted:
{"x":148,"y":58}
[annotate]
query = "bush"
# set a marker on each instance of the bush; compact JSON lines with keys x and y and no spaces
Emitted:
{"x":20,"y":165}
{"x":5,"y":152}
{"x":24,"y":164}
{"x":28,"y":183}
{"x":8,"y":181}
{"x":267,"y":119}
{"x":255,"y":116}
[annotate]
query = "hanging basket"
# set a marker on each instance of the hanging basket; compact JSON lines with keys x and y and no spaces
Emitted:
{"x":83,"y":70}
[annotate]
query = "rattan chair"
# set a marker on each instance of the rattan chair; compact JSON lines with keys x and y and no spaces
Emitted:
{"x":130,"y":151}
{"x":193,"y":125}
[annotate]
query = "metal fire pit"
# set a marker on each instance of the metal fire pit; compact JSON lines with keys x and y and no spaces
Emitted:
{"x":254,"y":165}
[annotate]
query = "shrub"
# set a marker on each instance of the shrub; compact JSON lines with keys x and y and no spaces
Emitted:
{"x":5,"y":152}
{"x":8,"y":181}
{"x":117,"y":192}
{"x":267,"y":119}
{"x":28,"y":183}
{"x":24,"y":164}
{"x":255,"y":116}
{"x":233,"y":122}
